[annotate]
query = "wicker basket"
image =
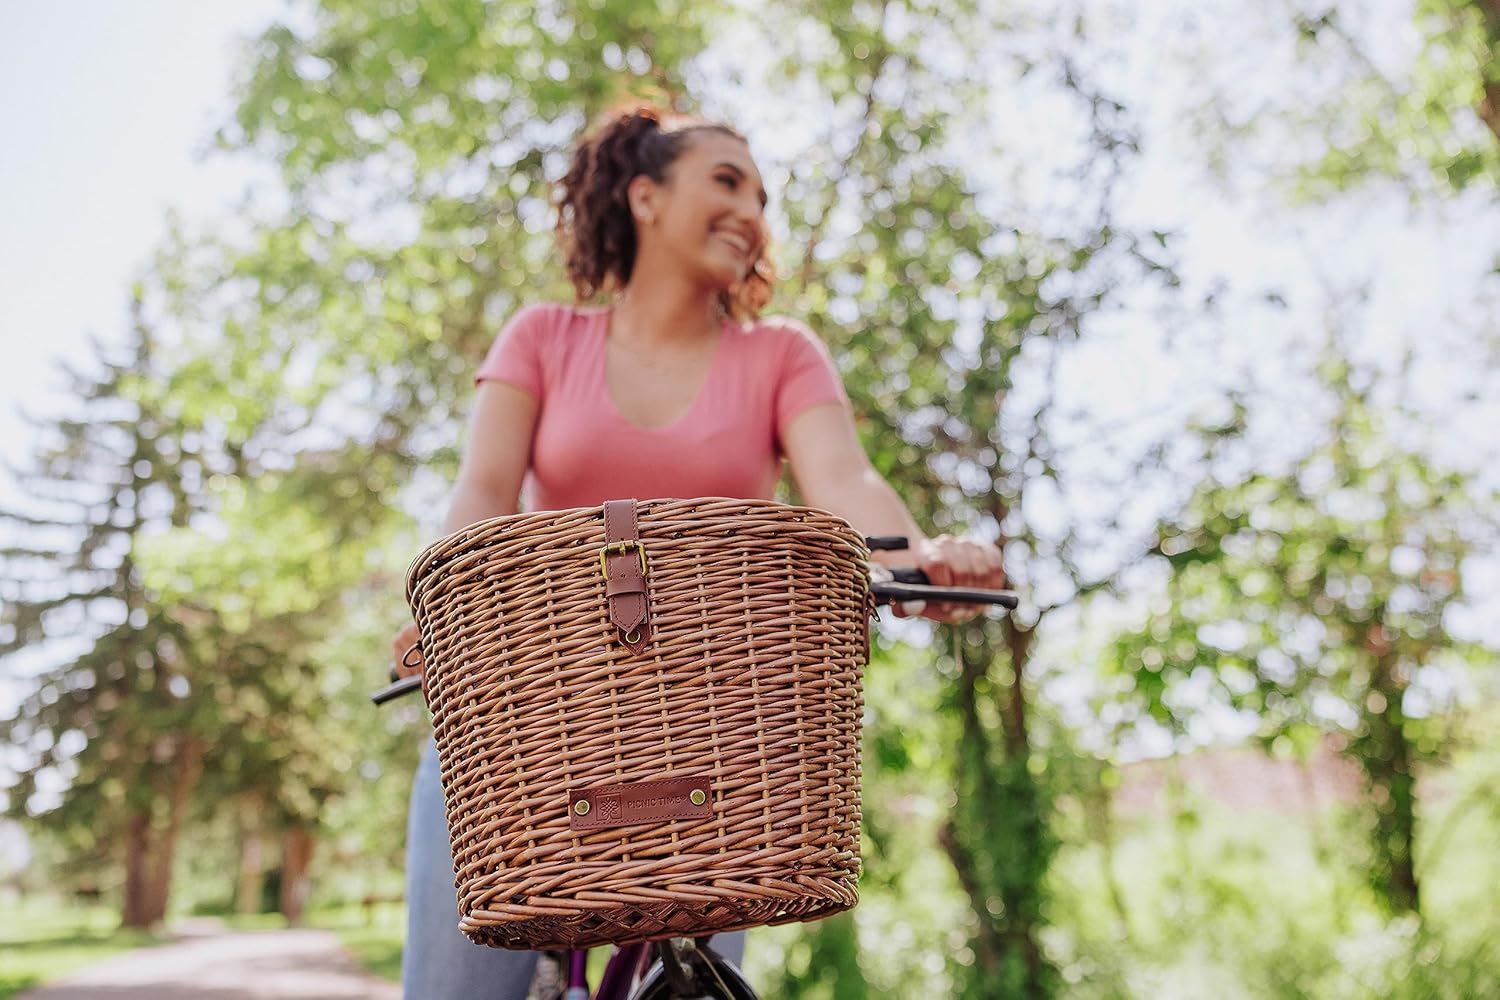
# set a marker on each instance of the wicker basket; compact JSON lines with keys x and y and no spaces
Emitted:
{"x":699,"y":775}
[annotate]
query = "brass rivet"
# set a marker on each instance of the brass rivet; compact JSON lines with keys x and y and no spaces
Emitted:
{"x":696,"y":797}
{"x":581,"y":807}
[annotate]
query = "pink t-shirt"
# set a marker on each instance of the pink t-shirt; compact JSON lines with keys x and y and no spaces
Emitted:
{"x":727,"y":444}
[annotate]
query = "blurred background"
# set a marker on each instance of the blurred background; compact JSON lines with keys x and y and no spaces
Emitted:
{"x":1194,"y":306}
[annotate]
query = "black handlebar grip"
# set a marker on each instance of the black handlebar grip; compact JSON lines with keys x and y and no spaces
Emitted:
{"x":405,"y":685}
{"x":887,"y":543}
{"x":889,"y":593}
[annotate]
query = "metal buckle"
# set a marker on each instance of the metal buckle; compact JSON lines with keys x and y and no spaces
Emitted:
{"x":620,"y":549}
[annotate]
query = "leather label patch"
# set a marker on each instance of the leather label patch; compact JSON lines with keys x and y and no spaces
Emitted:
{"x":640,"y":802}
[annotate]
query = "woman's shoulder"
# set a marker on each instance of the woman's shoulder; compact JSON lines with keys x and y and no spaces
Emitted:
{"x":778,"y":325}
{"x":555,"y":315}
{"x":784,"y":331}
{"x":785,"y":338}
{"x":550,"y":322}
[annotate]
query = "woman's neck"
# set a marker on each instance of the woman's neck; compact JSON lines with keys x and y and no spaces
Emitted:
{"x":660,"y":307}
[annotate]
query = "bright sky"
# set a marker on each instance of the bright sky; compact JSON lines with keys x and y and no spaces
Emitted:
{"x":103,"y":106}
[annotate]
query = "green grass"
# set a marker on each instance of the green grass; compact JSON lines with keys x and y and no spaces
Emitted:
{"x":374,"y":937}
{"x":42,"y":939}
{"x":1250,"y":905}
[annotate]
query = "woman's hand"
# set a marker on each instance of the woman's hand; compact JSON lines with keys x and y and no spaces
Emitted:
{"x":949,"y":561}
{"x":401,"y":645}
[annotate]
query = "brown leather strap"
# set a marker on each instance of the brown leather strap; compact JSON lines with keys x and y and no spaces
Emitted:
{"x":625,"y":575}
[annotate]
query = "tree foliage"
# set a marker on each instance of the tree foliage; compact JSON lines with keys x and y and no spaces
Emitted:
{"x":1353,"y":94}
{"x":1443,"y":116}
{"x":1319,"y":598}
{"x":112,"y":740}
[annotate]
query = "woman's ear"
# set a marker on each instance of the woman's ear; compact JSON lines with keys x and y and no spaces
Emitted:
{"x":642,"y":193}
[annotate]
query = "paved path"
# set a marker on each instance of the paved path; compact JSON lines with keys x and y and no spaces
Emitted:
{"x":226,"y":965}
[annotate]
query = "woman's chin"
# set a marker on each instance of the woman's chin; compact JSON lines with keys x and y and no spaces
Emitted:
{"x":722,"y":277}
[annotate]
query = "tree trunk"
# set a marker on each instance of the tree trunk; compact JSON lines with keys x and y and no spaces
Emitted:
{"x":990,"y":945}
{"x":252,"y":880}
{"x":1384,"y":754}
{"x":135,"y":907}
{"x":1489,"y":106}
{"x":1393,"y":790}
{"x":187,"y":765}
{"x":1018,"y":644}
{"x":296,"y":857}
{"x":999,"y":803}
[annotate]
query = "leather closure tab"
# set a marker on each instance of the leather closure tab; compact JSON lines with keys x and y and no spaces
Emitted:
{"x":623,"y":559}
{"x":640,"y":802}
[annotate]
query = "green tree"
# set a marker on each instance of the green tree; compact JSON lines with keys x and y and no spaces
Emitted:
{"x":113,"y":725}
{"x":197,"y":687}
{"x":1442,"y":115}
{"x":1319,"y":598}
{"x":1368,"y":96}
{"x":275,"y":579}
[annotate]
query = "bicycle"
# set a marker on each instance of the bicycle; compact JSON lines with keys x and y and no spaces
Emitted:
{"x":688,"y":967}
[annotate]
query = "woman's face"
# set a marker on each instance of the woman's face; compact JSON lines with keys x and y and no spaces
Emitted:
{"x":709,"y":215}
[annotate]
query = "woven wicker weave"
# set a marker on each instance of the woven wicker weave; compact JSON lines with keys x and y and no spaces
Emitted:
{"x":751,"y":682}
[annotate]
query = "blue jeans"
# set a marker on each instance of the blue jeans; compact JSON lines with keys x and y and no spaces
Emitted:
{"x":439,"y":963}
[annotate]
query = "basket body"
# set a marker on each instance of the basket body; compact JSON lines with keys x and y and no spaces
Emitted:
{"x":748,"y":692}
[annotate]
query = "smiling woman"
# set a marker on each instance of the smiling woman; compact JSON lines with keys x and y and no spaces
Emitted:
{"x":672,"y":388}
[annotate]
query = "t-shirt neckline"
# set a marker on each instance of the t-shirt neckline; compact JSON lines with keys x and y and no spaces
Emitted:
{"x":601,"y":333}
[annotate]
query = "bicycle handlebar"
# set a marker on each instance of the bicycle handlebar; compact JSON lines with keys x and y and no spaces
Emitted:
{"x":406,"y":685}
{"x":913,"y":585}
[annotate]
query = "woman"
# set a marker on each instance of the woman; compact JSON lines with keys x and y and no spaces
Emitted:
{"x":669,"y":391}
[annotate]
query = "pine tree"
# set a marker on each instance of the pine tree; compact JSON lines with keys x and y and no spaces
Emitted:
{"x":113,"y":757}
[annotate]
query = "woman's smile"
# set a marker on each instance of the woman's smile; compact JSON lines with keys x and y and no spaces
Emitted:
{"x":742,"y":245}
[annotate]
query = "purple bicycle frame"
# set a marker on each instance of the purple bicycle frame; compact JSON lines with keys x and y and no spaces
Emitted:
{"x":628,"y":961}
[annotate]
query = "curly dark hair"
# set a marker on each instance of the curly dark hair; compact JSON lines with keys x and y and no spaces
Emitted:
{"x":594,"y":223}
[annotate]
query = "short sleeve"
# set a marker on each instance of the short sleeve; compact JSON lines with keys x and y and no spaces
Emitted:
{"x":807,"y":376}
{"x":515,"y":357}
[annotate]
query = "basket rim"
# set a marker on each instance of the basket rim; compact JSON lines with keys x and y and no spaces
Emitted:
{"x":436,"y":554}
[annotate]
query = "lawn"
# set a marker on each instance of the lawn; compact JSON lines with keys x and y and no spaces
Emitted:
{"x":373,"y":935}
{"x":42,"y":939}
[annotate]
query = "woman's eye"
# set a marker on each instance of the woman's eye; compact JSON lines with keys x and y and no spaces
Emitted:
{"x":727,"y":181}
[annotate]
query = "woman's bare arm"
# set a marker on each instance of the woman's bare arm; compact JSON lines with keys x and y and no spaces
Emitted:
{"x":496,"y":456}
{"x":833,"y":472}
